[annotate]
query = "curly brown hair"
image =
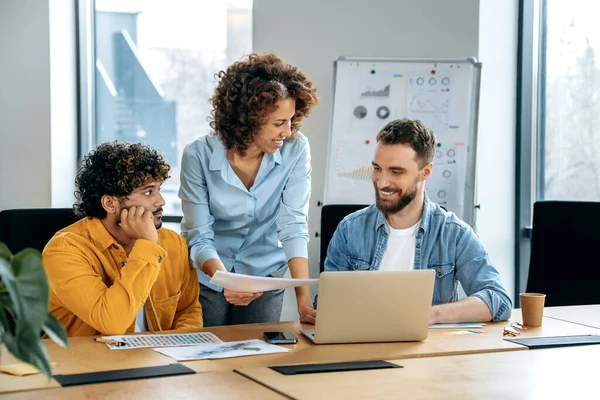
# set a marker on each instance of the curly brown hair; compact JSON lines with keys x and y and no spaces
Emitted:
{"x":115,"y":169}
{"x":247,"y":93}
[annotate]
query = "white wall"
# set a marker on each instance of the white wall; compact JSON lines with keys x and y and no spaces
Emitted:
{"x":38,"y":142}
{"x":38,"y":113}
{"x":313,"y":34}
{"x":24,"y":104}
{"x":497,"y":138}
{"x":63,"y":102}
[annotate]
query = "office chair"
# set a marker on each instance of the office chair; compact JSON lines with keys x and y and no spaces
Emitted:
{"x":34,"y":227}
{"x":331,"y":216}
{"x":564,"y":262}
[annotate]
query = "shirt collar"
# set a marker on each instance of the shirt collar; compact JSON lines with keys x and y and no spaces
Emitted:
{"x":426,"y":217}
{"x":219,"y":157}
{"x":277,"y":157}
{"x":99,"y":235}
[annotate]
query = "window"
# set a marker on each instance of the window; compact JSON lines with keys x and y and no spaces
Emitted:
{"x":570,"y":130}
{"x":148,"y":71}
{"x":559,"y":110}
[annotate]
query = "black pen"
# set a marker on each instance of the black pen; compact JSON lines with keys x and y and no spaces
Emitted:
{"x":110,"y":341}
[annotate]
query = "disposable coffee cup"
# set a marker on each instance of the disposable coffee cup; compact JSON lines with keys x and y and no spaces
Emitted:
{"x":532,"y":308}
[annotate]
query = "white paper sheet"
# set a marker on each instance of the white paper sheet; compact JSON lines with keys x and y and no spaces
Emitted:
{"x":461,"y":325}
{"x":162,"y":340}
{"x":221,"y":350}
{"x":254,"y":284}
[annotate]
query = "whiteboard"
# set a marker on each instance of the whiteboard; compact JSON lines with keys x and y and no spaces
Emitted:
{"x":370,"y":92}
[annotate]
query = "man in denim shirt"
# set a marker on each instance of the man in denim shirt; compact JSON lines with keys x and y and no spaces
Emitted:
{"x":403,"y":230}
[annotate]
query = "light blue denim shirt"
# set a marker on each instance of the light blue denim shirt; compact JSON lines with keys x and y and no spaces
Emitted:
{"x":443,"y":243}
{"x":251,"y":231}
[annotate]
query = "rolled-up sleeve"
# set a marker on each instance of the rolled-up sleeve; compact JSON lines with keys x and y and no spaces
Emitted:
{"x":196,"y":226}
{"x":479,"y":277}
{"x":292,"y":221}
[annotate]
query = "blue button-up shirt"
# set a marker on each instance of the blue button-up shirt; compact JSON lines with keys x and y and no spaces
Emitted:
{"x":252,"y":231}
{"x":443,"y":243}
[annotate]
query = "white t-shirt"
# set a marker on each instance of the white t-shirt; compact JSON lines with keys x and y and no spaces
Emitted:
{"x":400,"y":251}
{"x":140,"y":321}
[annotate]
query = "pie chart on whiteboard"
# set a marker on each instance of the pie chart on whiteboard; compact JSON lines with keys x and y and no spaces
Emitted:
{"x":360,"y":112}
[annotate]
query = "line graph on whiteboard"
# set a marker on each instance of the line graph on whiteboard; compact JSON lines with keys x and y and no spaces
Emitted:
{"x":432,"y":109}
{"x":438,"y":103}
{"x":429,"y":99}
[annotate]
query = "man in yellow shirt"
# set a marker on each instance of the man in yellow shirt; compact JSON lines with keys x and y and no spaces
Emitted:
{"x":117,"y":270}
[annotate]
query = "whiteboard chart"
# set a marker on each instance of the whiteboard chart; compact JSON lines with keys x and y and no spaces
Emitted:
{"x":369,"y":93}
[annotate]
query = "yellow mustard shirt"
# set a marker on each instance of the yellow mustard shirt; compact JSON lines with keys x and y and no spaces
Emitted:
{"x":97,"y":289}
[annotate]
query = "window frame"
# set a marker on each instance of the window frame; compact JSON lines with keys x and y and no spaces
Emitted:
{"x":530,"y":130}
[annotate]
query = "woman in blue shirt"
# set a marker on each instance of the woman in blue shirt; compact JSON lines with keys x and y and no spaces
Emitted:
{"x":245,"y":189}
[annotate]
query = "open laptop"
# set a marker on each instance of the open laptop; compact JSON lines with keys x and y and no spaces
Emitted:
{"x":373,"y":306}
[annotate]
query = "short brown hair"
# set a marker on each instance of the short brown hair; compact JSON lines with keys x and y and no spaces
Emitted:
{"x":115,"y":169}
{"x":413,"y":132}
{"x":247,"y":92}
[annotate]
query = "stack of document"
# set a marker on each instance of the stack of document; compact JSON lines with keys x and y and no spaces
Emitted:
{"x":162,"y":340}
{"x":254,"y":284}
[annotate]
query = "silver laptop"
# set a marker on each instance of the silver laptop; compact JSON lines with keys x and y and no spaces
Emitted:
{"x":373,"y":306}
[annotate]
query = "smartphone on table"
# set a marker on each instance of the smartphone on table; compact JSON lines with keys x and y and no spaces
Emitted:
{"x":280,"y":337}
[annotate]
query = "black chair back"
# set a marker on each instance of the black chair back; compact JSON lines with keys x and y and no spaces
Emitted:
{"x":564,"y":262}
{"x":33,"y":227}
{"x":331,"y":216}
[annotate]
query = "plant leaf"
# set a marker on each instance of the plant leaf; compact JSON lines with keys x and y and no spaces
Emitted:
{"x":28,"y":347}
{"x":55,"y":331}
{"x":5,"y":252}
{"x":26,"y":304}
{"x":29,"y":291}
{"x":6,"y":271}
{"x":4,"y":325}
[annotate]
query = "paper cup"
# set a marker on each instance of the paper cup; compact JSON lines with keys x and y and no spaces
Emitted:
{"x":532,"y":308}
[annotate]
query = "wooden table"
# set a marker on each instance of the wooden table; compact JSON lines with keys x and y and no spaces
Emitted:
{"x":561,"y":373}
{"x":212,"y":385}
{"x":584,"y":315}
{"x":85,"y":355}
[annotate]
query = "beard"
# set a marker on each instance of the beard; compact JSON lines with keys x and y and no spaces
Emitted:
{"x":403,"y":200}
{"x":157,"y":225}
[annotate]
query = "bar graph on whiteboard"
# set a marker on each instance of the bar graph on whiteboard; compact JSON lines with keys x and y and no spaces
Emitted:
{"x":354,"y":161}
{"x":360,"y":174}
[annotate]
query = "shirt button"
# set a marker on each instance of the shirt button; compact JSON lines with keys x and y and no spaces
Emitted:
{"x":418,"y":246}
{"x":159,"y":259}
{"x":123,"y":264}
{"x":115,"y":247}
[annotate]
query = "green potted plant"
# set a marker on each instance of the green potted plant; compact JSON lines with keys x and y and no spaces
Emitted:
{"x":24,"y":294}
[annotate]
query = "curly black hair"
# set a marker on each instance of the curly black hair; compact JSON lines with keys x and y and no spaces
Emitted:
{"x":247,"y":93}
{"x":115,"y":169}
{"x":413,"y":132}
